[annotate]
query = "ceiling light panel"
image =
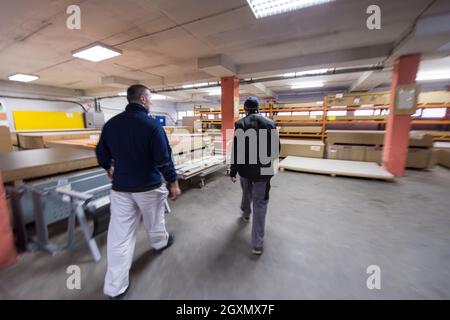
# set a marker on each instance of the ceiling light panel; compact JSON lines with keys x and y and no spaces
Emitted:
{"x":96,"y":52}
{"x":23,"y":77}
{"x":265,"y":8}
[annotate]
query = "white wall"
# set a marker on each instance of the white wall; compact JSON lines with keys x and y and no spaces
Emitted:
{"x":11,"y":104}
{"x":112,"y":106}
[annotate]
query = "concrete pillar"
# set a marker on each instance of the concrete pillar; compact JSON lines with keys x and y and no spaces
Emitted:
{"x":396,"y":139}
{"x":230,"y":108}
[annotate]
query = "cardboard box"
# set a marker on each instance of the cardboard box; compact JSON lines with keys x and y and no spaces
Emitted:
{"x":302,"y":148}
{"x":342,"y":152}
{"x":5,"y":140}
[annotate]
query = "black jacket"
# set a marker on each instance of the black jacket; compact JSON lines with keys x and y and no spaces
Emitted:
{"x":137,"y":146}
{"x":252,"y":143}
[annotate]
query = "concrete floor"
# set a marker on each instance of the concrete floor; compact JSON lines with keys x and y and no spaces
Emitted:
{"x":322,"y":233}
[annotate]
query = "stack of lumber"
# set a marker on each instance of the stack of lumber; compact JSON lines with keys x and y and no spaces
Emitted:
{"x":443,"y":153}
{"x":302,"y":148}
{"x":185,"y":147}
{"x":368,"y":146}
{"x":179,"y":129}
{"x":190,"y":147}
{"x":300,"y":129}
{"x":216,"y":139}
{"x":355,"y":118}
{"x":297,"y":118}
{"x":39,"y":140}
{"x":31,"y":164}
{"x":190,"y":168}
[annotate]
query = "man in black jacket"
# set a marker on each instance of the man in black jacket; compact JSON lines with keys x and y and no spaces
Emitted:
{"x":134,"y":150}
{"x":255,"y":152}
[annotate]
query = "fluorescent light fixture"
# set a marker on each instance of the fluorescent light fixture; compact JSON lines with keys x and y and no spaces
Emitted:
{"x":155,"y":96}
{"x":122,"y":94}
{"x":308,"y":72}
{"x":188,"y":86}
{"x":306,"y":85}
{"x":430,"y":76}
{"x":96,"y":52}
{"x":23,"y":77}
{"x":216,"y":92}
{"x":203,"y":84}
{"x":289,"y":75}
{"x":265,"y":8}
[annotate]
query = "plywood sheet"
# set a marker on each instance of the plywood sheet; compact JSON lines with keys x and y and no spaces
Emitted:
{"x":86,"y":144}
{"x":336,"y":167}
{"x":30,"y":164}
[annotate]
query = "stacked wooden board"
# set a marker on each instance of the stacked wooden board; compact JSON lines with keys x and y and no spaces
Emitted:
{"x":185,"y":147}
{"x":30,"y":164}
{"x":443,"y":153}
{"x":301,"y":129}
{"x":179,"y":129}
{"x":86,"y":144}
{"x":39,"y":140}
{"x":302,"y":148}
{"x":297,"y":118}
{"x":368,"y":145}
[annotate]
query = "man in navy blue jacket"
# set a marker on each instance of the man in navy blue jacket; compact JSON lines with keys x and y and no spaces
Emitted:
{"x":134,"y":150}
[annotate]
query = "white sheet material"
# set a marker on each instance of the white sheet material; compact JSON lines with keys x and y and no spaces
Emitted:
{"x":126,"y":211}
{"x":336,"y":167}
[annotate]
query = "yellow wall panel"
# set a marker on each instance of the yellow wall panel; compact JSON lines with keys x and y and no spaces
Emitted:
{"x":41,"y":120}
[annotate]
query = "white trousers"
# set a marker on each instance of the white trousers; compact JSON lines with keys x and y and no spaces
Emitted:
{"x":126,"y":211}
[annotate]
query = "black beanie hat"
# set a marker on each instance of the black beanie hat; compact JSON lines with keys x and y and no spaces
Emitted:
{"x":252,"y":103}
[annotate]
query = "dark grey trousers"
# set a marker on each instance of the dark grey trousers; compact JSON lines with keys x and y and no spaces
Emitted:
{"x":258,"y":194}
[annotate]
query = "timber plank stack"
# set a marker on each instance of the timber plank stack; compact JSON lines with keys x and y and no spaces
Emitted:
{"x":39,"y":140}
{"x":368,"y":146}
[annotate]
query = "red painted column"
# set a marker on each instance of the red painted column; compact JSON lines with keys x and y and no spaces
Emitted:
{"x":8,"y":255}
{"x":396,"y":139}
{"x":230,"y":109}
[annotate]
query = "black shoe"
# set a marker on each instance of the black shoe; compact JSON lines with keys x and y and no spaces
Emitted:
{"x":122,"y":295}
{"x":169,"y":243}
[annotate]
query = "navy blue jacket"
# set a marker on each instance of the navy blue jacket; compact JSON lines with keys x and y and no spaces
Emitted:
{"x":137,"y":147}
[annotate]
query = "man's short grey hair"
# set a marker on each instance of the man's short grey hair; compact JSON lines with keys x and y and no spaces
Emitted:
{"x":135,"y":92}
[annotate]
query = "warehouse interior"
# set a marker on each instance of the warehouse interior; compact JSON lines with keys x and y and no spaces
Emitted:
{"x":360,"y":95}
